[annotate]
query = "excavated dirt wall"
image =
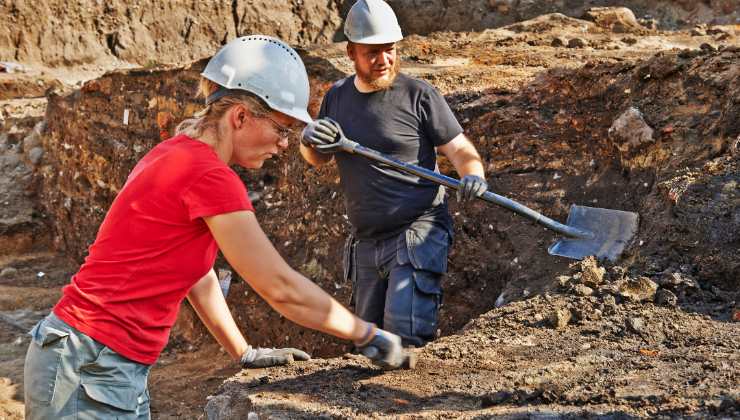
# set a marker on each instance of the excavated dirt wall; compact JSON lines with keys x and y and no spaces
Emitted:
{"x":425,"y":16}
{"x":93,"y":34}
{"x":106,"y":33}
{"x":547,"y":146}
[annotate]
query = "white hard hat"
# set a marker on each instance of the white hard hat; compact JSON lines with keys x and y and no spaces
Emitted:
{"x":265,"y":66}
{"x":372,"y":22}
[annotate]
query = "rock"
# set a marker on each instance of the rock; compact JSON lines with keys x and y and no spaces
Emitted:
{"x":591,"y":274}
{"x":576,"y":43}
{"x":666,"y":298}
{"x":35,"y":155}
{"x":560,"y":318}
{"x":630,"y":131}
{"x":640,"y":290}
{"x":616,"y":19}
{"x":32,"y":140}
{"x":557,"y":43}
{"x":218,"y":407}
{"x":706,"y":47}
{"x":636,"y":324}
{"x":583,"y":290}
{"x":8,"y":272}
{"x":629,"y":40}
{"x":676,"y":280}
{"x":496,"y":398}
{"x":563,"y":280}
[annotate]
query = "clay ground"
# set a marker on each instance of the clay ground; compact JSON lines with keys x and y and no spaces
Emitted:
{"x":655,"y":334}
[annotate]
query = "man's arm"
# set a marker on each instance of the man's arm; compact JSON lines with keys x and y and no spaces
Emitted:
{"x":461,"y":152}
{"x":313,"y":157}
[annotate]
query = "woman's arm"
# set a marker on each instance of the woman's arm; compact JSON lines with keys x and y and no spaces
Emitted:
{"x":209,"y":303}
{"x":252,"y":255}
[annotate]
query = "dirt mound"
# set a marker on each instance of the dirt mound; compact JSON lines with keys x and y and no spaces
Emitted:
{"x":593,"y":353}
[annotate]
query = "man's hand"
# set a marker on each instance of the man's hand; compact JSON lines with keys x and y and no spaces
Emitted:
{"x":266,"y":357}
{"x":471,"y":186}
{"x":384,"y":349}
{"x":325,"y":136}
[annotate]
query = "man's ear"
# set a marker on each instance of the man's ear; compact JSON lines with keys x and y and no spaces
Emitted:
{"x":351,"y":51}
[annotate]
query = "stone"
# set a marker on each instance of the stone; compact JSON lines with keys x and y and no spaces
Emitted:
{"x":616,"y":19}
{"x":560,"y":318}
{"x":557,"y":43}
{"x":218,"y":407}
{"x":583,"y":290}
{"x":636,"y":324}
{"x":666,"y":298}
{"x":630,"y":131}
{"x":576,"y":43}
{"x":8,"y":272}
{"x":591,"y":274}
{"x":563,"y":280}
{"x":639,"y":290}
{"x":35,"y":155}
{"x":32,"y":140}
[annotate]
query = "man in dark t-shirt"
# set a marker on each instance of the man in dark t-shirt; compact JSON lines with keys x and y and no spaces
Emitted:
{"x":401,"y":227}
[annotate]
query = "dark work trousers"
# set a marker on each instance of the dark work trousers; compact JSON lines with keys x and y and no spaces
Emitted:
{"x":397,"y":281}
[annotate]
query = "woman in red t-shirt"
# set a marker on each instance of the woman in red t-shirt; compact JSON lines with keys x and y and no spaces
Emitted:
{"x":157,"y":245}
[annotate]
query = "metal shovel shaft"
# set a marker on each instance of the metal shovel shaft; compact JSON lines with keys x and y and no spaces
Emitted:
{"x":453,"y":183}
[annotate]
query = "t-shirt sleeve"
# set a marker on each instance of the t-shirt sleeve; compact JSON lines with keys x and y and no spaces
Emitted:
{"x":439,"y":123}
{"x":324,"y":105}
{"x":218,"y":191}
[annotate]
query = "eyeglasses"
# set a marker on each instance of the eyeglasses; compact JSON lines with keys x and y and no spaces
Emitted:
{"x":283,"y":131}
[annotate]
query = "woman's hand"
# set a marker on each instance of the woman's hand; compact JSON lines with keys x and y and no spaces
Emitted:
{"x":266,"y":357}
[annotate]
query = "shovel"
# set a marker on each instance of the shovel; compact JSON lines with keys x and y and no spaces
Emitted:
{"x":603,"y":233}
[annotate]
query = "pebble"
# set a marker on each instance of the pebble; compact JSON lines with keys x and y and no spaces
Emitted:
{"x":8,"y":272}
{"x":666,"y":298}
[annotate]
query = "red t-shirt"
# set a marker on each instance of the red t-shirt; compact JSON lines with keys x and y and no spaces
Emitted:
{"x":152,"y":247}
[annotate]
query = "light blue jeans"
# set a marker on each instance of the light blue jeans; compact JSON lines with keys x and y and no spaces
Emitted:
{"x":69,"y":375}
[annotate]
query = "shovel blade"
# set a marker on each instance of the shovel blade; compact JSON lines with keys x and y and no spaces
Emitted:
{"x":612,"y":232}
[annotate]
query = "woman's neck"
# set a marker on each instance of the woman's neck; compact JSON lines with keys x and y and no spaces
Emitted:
{"x":219,"y":144}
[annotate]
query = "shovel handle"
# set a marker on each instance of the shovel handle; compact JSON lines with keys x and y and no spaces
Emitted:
{"x":570,"y":231}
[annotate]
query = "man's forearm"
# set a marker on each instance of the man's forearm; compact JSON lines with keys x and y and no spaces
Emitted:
{"x":313,"y":157}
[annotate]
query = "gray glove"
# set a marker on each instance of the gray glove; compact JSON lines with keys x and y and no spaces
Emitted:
{"x":266,"y":357}
{"x":325,"y":136}
{"x":471,"y":186}
{"x":384,"y":349}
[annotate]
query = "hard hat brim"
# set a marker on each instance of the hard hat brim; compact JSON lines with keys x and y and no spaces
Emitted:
{"x":297,"y":113}
{"x":377,"y":39}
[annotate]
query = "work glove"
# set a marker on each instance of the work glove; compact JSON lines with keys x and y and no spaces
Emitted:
{"x":325,"y":136}
{"x":384,"y":349}
{"x":471,"y":186}
{"x":265,"y":357}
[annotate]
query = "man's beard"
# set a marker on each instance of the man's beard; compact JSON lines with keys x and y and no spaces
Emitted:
{"x":383,"y":82}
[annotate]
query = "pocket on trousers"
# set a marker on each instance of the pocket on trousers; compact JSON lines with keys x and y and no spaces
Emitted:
{"x":426,"y":247}
{"x":43,"y":360}
{"x":426,"y":301}
{"x":114,"y":387}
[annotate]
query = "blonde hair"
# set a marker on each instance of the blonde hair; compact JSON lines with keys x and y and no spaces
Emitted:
{"x":208,"y":117}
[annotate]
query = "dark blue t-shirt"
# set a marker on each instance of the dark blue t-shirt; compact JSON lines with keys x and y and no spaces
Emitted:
{"x":406,"y":121}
